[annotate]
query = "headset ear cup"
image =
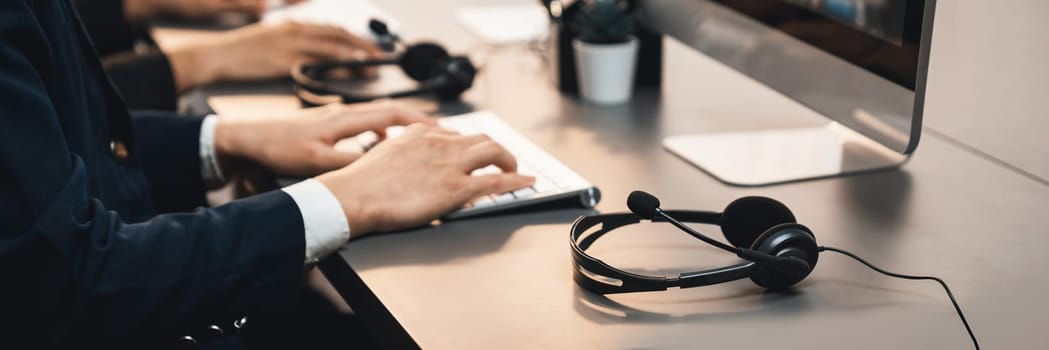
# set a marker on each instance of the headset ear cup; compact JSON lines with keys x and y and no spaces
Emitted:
{"x":785,"y":240}
{"x":746,"y":218}
{"x":420,"y":61}
{"x":452,"y":77}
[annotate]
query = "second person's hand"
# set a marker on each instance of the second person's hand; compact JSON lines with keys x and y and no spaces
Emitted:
{"x":263,"y":51}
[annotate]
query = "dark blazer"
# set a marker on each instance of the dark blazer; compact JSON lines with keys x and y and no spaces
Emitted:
{"x":84,"y":257}
{"x":142,"y":75}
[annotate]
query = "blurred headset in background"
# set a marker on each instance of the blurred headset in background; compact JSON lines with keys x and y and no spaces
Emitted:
{"x":439,"y":74}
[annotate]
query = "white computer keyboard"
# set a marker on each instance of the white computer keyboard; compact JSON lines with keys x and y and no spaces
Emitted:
{"x":553,"y":180}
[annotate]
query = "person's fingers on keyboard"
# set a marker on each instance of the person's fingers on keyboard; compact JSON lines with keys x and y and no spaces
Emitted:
{"x":488,"y":153}
{"x":325,"y":50}
{"x":341,"y":36}
{"x":352,"y":120}
{"x":264,"y":50}
{"x":414,"y":178}
{"x":442,"y":131}
{"x":498,"y":183}
{"x":470,"y":140}
{"x":329,"y":43}
{"x":418,"y":129}
{"x":330,"y":159}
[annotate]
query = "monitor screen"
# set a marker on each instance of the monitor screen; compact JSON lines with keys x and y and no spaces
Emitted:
{"x":861,"y":64}
{"x":880,"y":18}
{"x":881,"y":36}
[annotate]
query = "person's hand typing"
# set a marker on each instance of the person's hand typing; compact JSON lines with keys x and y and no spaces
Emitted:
{"x":262,"y":51}
{"x":412,"y":179}
{"x":402,"y":182}
{"x":302,"y":144}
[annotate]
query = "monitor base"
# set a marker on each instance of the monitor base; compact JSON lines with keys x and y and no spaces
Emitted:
{"x":768,"y":157}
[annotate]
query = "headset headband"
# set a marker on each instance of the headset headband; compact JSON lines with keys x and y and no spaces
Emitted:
{"x":439,"y":74}
{"x":599,"y":277}
{"x":780,"y":256}
{"x":314,"y":91}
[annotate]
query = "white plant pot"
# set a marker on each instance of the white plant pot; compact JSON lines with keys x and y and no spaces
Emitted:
{"x":605,"y":71}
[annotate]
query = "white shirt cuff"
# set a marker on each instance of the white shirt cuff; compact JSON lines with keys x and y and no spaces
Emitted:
{"x":209,"y":162}
{"x":322,"y":217}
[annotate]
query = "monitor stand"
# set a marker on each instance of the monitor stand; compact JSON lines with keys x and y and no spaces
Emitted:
{"x":767,"y":157}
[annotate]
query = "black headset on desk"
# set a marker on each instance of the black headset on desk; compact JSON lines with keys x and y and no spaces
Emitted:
{"x":777,"y":252}
{"x":438,"y":73}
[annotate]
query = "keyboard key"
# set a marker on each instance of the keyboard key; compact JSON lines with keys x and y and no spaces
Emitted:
{"x":524,"y":193}
{"x":543,"y":185}
{"x":394,"y":131}
{"x":482,"y":202}
{"x":467,"y":129}
{"x":488,"y":170}
{"x":504,"y":198}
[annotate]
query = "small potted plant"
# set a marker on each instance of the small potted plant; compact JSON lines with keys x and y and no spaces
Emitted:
{"x":605,"y":50}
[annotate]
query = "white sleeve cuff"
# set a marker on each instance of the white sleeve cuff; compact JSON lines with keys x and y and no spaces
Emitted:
{"x":322,"y":217}
{"x":209,"y":162}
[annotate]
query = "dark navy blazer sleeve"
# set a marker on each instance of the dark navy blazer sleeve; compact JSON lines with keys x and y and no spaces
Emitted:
{"x":81,"y":258}
{"x":169,"y":148}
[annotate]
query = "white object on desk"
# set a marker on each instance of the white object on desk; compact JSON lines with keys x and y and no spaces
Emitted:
{"x":505,"y":24}
{"x":351,"y":15}
{"x":606,"y":71}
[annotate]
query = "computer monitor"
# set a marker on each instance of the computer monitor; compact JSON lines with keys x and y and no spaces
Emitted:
{"x":860,"y":63}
